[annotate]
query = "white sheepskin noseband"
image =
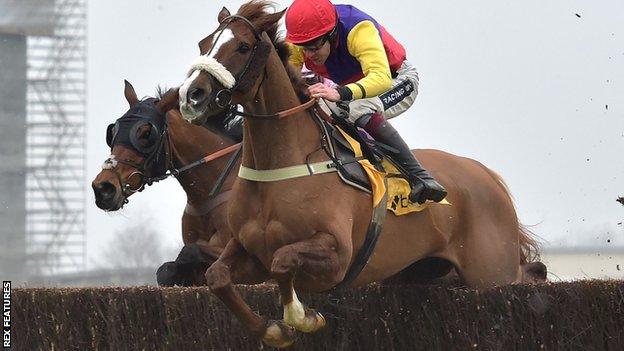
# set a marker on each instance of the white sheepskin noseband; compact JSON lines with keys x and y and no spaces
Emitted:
{"x":215,"y":68}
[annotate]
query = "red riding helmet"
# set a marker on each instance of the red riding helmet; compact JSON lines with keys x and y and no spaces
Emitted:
{"x":307,"y":20}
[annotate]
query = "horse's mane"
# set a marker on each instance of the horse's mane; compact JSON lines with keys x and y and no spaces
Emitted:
{"x":256,"y":9}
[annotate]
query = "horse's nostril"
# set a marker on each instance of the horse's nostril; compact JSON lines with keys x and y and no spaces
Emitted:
{"x":196,"y":96}
{"x":104,"y":191}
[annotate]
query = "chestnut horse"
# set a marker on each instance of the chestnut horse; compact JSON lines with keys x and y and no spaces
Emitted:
{"x":204,"y":229}
{"x":304,"y":232}
{"x":163,"y":144}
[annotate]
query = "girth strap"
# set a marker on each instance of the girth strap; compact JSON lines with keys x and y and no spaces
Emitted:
{"x":372,"y":234}
{"x":272,"y":175}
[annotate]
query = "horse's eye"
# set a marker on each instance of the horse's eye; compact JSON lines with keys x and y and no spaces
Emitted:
{"x":145,"y":137}
{"x":243,"y":48}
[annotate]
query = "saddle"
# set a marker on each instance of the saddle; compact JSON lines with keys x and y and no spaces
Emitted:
{"x":360,"y":160}
{"x":335,"y":131}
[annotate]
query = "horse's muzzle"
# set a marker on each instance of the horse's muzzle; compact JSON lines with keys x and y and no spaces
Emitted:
{"x":199,"y":101}
{"x":197,"y":98}
{"x":106,"y":196}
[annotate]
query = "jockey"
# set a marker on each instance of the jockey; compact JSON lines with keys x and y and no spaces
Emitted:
{"x":349,"y":47}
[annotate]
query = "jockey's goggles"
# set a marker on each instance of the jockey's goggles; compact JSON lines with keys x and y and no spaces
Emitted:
{"x":316,"y":44}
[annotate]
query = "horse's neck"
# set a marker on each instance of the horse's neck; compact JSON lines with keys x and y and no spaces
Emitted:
{"x":270,"y":144}
{"x":188,"y":144}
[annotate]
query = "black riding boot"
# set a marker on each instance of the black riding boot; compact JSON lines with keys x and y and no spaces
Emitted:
{"x":424,"y":187}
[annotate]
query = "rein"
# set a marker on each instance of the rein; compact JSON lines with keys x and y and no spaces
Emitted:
{"x":281,"y":114}
{"x":111,"y":162}
{"x":215,"y":155}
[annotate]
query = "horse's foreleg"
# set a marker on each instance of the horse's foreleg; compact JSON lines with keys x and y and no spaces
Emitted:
{"x":313,"y":261}
{"x":236,"y":262}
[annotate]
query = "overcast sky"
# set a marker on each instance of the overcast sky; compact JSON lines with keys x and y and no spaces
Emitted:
{"x":532,"y":89}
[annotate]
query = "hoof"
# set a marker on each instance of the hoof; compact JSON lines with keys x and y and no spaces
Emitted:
{"x":279,"y":334}
{"x":312,"y":322}
{"x":165,"y":275}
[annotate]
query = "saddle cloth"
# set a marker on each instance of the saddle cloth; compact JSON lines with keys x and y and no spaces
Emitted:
{"x":359,"y":172}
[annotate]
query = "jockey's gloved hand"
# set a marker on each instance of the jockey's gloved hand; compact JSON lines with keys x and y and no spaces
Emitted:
{"x":322,"y":91}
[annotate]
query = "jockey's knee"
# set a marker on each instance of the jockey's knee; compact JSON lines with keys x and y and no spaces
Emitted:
{"x":361,"y":109}
{"x":370,"y":122}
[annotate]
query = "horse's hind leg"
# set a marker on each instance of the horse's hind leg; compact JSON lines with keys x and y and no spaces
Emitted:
{"x":489,"y":255}
{"x":315,"y":264}
{"x":488,"y":258}
{"x":236,"y":263}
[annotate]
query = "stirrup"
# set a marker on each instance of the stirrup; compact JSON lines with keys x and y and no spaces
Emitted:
{"x":422,"y":191}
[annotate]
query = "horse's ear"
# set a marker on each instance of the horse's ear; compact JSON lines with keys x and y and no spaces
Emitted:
{"x":206,"y":43}
{"x":130,"y":94}
{"x":265,"y":38}
{"x":268,"y":21}
{"x":223,"y":14}
{"x":168,"y":101}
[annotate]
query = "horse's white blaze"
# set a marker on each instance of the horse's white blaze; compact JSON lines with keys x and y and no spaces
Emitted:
{"x":226,"y":35}
{"x":294,"y":312}
{"x":210,"y":65}
{"x":185,"y":86}
{"x":110,"y":162}
{"x":187,"y":111}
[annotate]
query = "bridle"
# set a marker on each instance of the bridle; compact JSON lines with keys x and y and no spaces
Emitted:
{"x":245,"y":78}
{"x":260,"y":51}
{"x":157,"y":155}
{"x":155,"y":151}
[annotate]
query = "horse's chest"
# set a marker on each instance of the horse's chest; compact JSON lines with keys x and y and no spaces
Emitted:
{"x":277,"y":212}
{"x":262,"y":239}
{"x":263,"y":224}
